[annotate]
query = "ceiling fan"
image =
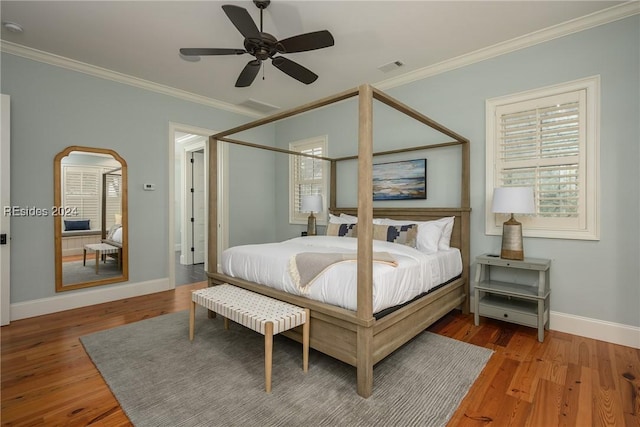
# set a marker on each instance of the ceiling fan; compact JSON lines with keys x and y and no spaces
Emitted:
{"x":263,"y":46}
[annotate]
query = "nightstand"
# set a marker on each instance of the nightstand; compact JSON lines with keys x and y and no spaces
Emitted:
{"x":513,"y":291}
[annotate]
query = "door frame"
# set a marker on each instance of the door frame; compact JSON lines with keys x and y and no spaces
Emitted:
{"x":5,"y":200}
{"x":223,"y":209}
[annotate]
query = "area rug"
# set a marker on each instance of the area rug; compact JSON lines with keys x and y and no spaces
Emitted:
{"x":161,"y":378}
{"x":75,"y":272}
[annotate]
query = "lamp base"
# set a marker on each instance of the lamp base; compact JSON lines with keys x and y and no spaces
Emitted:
{"x":311,"y":225}
{"x":512,"y":240}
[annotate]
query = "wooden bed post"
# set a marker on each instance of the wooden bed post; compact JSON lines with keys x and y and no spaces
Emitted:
{"x":465,"y":203}
{"x":333,"y":185}
{"x":364,"y":313}
{"x":212,"y":243}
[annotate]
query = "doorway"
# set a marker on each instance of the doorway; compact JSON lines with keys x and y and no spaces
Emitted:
{"x":190,"y":209}
{"x":189,"y":164}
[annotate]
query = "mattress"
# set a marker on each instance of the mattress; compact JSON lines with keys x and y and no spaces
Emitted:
{"x":416,"y":272}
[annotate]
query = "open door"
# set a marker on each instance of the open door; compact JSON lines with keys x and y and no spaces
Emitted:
{"x":196,"y":208}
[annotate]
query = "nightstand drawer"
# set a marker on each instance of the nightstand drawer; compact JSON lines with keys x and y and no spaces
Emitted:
{"x":511,"y":310}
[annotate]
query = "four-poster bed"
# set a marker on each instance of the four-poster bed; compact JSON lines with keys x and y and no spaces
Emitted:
{"x":357,"y":337}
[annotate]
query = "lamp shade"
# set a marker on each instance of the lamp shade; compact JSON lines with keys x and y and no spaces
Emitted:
{"x":513,"y":200}
{"x":312,"y":203}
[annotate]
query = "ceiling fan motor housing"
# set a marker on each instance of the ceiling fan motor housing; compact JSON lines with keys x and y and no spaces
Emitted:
{"x":262,"y":48}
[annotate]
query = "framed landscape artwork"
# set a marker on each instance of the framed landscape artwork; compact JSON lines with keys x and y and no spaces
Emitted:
{"x":400,"y":180}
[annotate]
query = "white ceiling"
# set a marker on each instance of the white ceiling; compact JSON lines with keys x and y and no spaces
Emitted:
{"x":142,"y":38}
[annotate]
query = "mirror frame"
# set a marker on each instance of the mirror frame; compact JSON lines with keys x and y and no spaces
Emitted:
{"x":57,"y":220}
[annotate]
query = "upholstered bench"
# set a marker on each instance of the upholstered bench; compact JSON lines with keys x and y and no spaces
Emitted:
{"x":101,"y":249}
{"x":263,"y":314}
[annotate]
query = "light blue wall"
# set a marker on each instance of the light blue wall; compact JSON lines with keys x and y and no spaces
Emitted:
{"x":594,"y":279}
{"x":53,"y":108}
{"x":252,"y":205}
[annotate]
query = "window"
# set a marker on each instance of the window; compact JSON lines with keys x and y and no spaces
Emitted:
{"x":81,"y":190}
{"x":307,"y":176}
{"x":113,"y":198}
{"x":547,"y":139}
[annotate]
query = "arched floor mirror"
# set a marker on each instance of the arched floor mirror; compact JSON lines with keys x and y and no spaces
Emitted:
{"x":90,"y":218}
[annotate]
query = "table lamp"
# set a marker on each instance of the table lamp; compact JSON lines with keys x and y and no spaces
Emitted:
{"x":311,"y":203}
{"x":513,"y":200}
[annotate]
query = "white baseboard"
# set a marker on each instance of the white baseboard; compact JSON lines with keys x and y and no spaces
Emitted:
{"x":602,"y":330}
{"x":615,"y":333}
{"x":70,"y":300}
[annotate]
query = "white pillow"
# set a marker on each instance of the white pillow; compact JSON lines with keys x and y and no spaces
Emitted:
{"x":350,"y":218}
{"x":429,"y":233}
{"x":333,"y":219}
{"x":354,"y":219}
{"x":445,"y":240}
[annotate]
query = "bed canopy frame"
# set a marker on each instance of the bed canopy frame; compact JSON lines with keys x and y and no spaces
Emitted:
{"x":358,"y":338}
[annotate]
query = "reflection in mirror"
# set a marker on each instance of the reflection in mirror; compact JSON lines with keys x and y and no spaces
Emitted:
{"x":90,"y":218}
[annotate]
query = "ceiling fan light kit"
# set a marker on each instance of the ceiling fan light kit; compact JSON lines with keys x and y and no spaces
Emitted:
{"x":264,"y":46}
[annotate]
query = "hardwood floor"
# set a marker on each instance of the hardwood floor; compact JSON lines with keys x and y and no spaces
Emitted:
{"x":48,"y":379}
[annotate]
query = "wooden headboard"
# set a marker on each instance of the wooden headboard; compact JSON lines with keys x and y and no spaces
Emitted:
{"x":459,"y":236}
{"x":418,"y":214}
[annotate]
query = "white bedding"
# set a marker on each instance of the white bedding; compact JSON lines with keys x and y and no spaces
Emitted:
{"x":416,"y":272}
{"x":117,"y":235}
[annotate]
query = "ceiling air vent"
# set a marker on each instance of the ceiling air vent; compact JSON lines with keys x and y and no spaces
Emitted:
{"x":259,"y":105}
{"x":390,"y":66}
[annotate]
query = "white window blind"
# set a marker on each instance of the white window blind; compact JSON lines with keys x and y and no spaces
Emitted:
{"x":81,"y":190}
{"x":546,"y":140}
{"x":113,"y":202}
{"x":307,"y":176}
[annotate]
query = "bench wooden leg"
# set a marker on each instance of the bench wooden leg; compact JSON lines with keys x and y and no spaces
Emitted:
{"x":226,"y":323}
{"x":305,"y":341}
{"x":192,"y":319}
{"x":268,"y":352}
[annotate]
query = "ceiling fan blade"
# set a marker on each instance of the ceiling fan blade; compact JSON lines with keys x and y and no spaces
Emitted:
{"x":198,"y":51}
{"x":249,"y":73}
{"x":242,"y":20}
{"x":305,"y":42}
{"x":294,"y":69}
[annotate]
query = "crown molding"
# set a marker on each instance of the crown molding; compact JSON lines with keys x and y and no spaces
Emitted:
{"x":71,"y":64}
{"x":573,"y":26}
{"x":595,"y":19}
